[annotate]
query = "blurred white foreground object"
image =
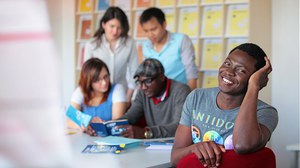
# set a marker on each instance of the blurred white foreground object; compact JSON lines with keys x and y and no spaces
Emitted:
{"x":31,"y":123}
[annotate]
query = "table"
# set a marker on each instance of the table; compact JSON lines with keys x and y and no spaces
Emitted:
{"x":136,"y":157}
{"x":294,"y":148}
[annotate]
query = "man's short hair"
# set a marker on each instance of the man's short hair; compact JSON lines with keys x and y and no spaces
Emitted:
{"x":152,"y":12}
{"x":150,"y":67}
{"x":254,"y":51}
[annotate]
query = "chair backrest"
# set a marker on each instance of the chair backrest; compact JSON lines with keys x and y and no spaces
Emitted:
{"x":263,"y":158}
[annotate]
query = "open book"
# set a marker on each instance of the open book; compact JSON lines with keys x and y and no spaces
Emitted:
{"x":109,"y":127}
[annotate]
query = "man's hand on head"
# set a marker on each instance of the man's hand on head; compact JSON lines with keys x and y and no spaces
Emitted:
{"x":259,"y":79}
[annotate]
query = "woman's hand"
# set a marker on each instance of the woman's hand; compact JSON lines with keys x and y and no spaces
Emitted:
{"x":89,"y":130}
{"x":97,"y":120}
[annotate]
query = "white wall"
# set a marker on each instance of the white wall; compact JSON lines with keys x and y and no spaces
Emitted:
{"x":285,"y":77}
{"x":61,"y":14}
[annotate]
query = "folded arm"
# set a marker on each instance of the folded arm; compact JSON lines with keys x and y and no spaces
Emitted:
{"x":248,"y":134}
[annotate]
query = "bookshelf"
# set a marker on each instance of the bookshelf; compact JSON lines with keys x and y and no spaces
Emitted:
{"x":214,"y":26}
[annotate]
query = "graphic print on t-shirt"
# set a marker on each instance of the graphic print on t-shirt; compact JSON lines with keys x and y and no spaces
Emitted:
{"x":195,"y":134}
{"x":212,"y":126}
{"x":228,"y":143}
{"x":213,"y":136}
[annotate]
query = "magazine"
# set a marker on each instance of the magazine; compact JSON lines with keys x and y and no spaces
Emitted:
{"x":78,"y":117}
{"x":117,"y":149}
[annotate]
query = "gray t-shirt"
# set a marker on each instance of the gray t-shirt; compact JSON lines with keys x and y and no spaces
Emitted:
{"x":210,"y":123}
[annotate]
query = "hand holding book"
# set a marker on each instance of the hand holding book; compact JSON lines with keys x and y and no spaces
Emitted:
{"x":109,"y":127}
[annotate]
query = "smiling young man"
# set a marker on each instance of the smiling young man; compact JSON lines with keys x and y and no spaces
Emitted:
{"x":229,"y":116}
{"x":174,"y":50}
{"x":159,"y":99}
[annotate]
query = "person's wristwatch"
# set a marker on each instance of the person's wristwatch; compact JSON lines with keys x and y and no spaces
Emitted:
{"x":148,"y":133}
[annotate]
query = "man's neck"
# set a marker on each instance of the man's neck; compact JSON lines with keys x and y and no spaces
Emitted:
{"x":160,"y":44}
{"x":227,"y":102}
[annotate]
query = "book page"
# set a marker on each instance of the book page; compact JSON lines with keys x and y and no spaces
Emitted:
{"x":165,"y":3}
{"x":233,"y":42}
{"x":187,"y":2}
{"x":236,"y":1}
{"x":212,"y":56}
{"x":143,"y":3}
{"x":115,"y":140}
{"x":211,"y":1}
{"x":138,"y":31}
{"x":84,"y":31}
{"x":210,"y":79}
{"x":212,"y":21}
{"x":124,"y":4}
{"x":170,"y":19}
{"x":189,"y":21}
{"x":102,"y":5}
{"x":85,"y":6}
{"x":237,"y":20}
{"x":159,"y":147}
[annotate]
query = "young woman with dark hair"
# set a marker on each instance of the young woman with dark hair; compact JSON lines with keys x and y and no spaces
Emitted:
{"x":96,"y":95}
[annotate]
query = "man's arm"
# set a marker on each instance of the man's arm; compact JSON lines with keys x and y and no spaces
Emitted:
{"x":248,"y":134}
{"x":182,"y":144}
{"x":192,"y":83}
{"x":136,"y":111}
{"x":188,"y":60}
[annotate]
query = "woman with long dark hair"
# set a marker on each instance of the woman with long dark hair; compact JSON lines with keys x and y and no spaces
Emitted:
{"x":101,"y":99}
{"x":112,"y":44}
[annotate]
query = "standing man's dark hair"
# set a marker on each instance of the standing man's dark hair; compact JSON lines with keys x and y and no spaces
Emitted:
{"x":153,"y":12}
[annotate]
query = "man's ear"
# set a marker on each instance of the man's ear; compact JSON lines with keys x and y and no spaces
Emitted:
{"x":103,"y":25}
{"x":162,"y":77}
{"x":164,"y":24}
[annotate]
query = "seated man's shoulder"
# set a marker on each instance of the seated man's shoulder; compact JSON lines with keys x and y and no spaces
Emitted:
{"x":263,"y":105}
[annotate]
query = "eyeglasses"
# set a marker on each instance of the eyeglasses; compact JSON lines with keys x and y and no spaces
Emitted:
{"x":104,"y":78}
{"x":147,"y":82}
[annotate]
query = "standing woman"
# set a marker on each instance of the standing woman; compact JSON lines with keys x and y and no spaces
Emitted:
{"x":96,"y":95}
{"x":112,"y":44}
